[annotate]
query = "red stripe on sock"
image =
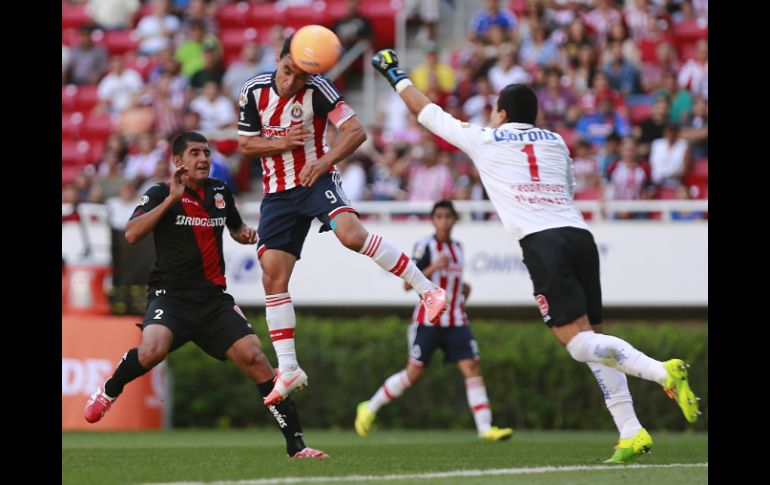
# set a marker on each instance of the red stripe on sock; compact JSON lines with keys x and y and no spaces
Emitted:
{"x":375,"y":245}
{"x":480,"y":407}
{"x":278,"y":302}
{"x":387,"y":394}
{"x":400,"y":266}
{"x":281,"y":334}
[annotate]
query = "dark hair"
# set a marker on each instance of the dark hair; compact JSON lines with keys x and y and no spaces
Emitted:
{"x":445,"y":203}
{"x":286,"y":49}
{"x":180,"y":142}
{"x":519,"y":103}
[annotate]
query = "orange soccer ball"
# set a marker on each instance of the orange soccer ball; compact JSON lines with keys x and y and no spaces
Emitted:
{"x":315,"y":49}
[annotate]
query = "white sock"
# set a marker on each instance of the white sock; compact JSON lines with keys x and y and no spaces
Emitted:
{"x":617,"y":397}
{"x":281,"y":320}
{"x":590,"y":346}
{"x":390,"y":258}
{"x":392,"y":388}
{"x":479,"y":403}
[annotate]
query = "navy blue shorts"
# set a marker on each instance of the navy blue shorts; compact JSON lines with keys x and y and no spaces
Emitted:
{"x":458,"y":343}
{"x":214,"y":323}
{"x":285,"y":217}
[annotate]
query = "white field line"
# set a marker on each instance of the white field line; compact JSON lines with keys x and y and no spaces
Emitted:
{"x":449,"y":474}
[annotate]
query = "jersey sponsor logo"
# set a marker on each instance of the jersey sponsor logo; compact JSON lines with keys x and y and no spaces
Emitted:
{"x":531,"y":135}
{"x":182,"y":220}
{"x":243,"y":100}
{"x":187,"y":200}
{"x":274,"y":131}
{"x":144,"y":200}
{"x":296,"y":110}
{"x":543,"y":304}
{"x":219,"y":201}
{"x":278,"y":417}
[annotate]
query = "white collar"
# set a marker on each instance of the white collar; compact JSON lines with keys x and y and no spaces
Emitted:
{"x":517,"y":126}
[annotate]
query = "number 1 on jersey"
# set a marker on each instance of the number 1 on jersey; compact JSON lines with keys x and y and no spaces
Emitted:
{"x":534,"y":173}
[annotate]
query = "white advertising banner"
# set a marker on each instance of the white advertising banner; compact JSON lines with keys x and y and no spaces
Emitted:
{"x":642,"y":264}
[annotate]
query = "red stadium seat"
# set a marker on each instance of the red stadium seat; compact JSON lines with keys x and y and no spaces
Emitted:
{"x":519,"y":7}
{"x":589,"y":193}
{"x":69,"y":36}
{"x":75,"y":152}
{"x":570,"y":137}
{"x":666,"y":193}
{"x":144,"y":11}
{"x":74,"y":15}
{"x":120,"y":42}
{"x":97,"y":128}
{"x":233,"y":39}
{"x":691,"y":30}
{"x":79,"y":98}
{"x":264,"y":16}
{"x":70,"y":125}
{"x":142,"y":65}
{"x":335,"y":9}
{"x":639,"y":112}
{"x":383,"y":18}
{"x":701,"y":168}
{"x":233,"y":15}
{"x":296,"y":17}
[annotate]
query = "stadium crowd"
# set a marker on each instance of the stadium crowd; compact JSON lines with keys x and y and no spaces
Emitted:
{"x":625,"y":83}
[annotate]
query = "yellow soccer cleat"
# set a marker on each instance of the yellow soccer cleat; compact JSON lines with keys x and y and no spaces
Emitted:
{"x":364,"y":419}
{"x":629,"y":449}
{"x":678,"y":387}
{"x":496,"y":434}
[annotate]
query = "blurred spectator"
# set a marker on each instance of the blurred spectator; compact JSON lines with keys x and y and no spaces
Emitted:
{"x":115,"y":146}
{"x":118,"y":88}
{"x":491,"y":15}
{"x":498,"y":41}
{"x":479,"y":106}
{"x":386,"y":174}
{"x":506,"y":72}
{"x":353,"y":26}
{"x":585,"y":167}
{"x":434,"y":69}
{"x":621,"y":74}
{"x":577,"y":37}
{"x":538,"y":16}
{"x":88,"y":61}
{"x":601,"y":18}
{"x":696,"y":130}
{"x":618,"y":33}
{"x":212,"y":69}
{"x":608,"y":154}
{"x":120,"y":207}
{"x":220,"y":169}
{"x":596,"y":126}
{"x":112,"y":14}
{"x":637,"y":18}
{"x":428,"y":179}
{"x":656,"y":34}
{"x":353,"y":177}
{"x":138,"y":118}
{"x":694,"y":75}
{"x":428,"y":14}
{"x":156,"y":31}
{"x":66,"y":54}
{"x":199,"y":11}
{"x":253,"y":61}
{"x":161,"y":174}
{"x":538,"y":51}
{"x":555,"y":101}
{"x":629,"y":179}
{"x":216,"y":110}
{"x":141,"y":165}
{"x":190,"y":53}
{"x":683,"y":194}
{"x":582,"y":71}
{"x":653,"y":73}
{"x":669,"y":157}
{"x":168,"y":106}
{"x":680,"y":99}
{"x":601,"y":88}
{"x":651,"y":128}
{"x":109,"y":177}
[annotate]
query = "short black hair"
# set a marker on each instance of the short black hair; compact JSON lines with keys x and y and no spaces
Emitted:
{"x":286,"y":49}
{"x":180,"y":142}
{"x":446,"y":204}
{"x":519,"y":103}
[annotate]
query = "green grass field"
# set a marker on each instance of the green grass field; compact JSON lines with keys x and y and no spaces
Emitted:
{"x":257,"y":457}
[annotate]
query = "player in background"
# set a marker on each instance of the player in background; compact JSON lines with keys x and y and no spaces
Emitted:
{"x":283,"y":119}
{"x":186,"y":291}
{"x":527,"y":173}
{"x":440,"y":258}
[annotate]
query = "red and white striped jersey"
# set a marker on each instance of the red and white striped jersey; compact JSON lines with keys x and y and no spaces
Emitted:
{"x":264,"y":113}
{"x":428,"y":250}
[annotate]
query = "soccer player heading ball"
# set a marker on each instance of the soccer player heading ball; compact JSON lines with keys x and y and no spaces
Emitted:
{"x":283,"y":119}
{"x":527,"y":173}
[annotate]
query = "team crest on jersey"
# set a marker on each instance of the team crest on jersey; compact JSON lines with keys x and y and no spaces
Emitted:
{"x":243,"y":100}
{"x":296,"y":110}
{"x":543,"y":304}
{"x":144,"y":200}
{"x":219,"y":201}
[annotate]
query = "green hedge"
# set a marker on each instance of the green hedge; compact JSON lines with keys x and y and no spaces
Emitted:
{"x":531,"y":380}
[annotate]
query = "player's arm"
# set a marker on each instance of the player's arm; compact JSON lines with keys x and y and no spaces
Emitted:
{"x":143,"y":221}
{"x":351,"y":135}
{"x":466,"y":291}
{"x":239,"y":231}
{"x":430,"y":115}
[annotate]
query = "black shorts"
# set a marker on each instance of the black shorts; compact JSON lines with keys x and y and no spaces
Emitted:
{"x":214,"y":323}
{"x":458,"y":343}
{"x":285,"y":217}
{"x":564,"y":266}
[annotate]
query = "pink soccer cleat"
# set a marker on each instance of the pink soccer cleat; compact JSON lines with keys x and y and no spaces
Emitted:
{"x":310,"y":453}
{"x":98,"y":404}
{"x":285,"y":382}
{"x":435,"y":302}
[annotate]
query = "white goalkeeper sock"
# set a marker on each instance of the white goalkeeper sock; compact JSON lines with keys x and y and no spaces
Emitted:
{"x":617,"y":397}
{"x":590,"y":346}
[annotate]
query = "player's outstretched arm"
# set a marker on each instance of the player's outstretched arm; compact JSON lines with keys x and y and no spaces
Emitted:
{"x":386,"y":63}
{"x":244,"y":235}
{"x":256,"y":146}
{"x":138,"y":227}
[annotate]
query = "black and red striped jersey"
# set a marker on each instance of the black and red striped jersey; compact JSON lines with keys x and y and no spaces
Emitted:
{"x":264,"y":113}
{"x":428,"y":250}
{"x":188,"y":238}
